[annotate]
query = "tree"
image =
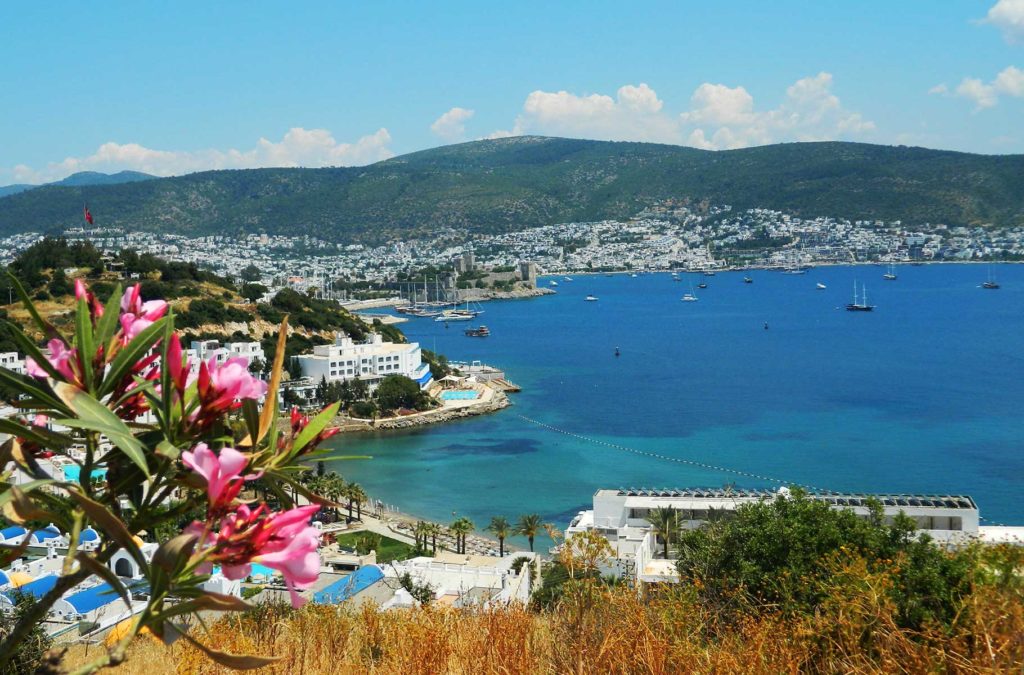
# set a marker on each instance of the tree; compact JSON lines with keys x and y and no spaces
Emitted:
{"x":461,"y":527}
{"x":434,"y":531}
{"x":778,"y":553}
{"x":253,"y":292}
{"x":665,"y":520}
{"x":290,"y":398}
{"x":500,"y":528}
{"x":357,"y":494}
{"x":398,"y":391}
{"x":251,"y":273}
{"x":528,"y":526}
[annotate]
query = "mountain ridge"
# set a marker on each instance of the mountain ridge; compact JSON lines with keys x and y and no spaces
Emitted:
{"x":519,"y":182}
{"x":81,"y":178}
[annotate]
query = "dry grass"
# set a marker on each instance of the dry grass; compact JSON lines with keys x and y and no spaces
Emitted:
{"x":613,"y":631}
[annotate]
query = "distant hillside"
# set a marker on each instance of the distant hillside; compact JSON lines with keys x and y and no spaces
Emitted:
{"x":514,"y":183}
{"x":82,"y":178}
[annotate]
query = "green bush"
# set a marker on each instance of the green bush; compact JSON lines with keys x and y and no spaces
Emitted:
{"x":779,"y":553}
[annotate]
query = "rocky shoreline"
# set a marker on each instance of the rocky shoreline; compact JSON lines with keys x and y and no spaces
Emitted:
{"x":498,"y":401}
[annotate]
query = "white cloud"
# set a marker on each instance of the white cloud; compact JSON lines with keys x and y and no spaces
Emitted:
{"x":719,"y":116}
{"x":1009,"y":82}
{"x":451,"y":126}
{"x":1008,"y":16}
{"x":723,"y":117}
{"x":298,"y":147}
{"x":633,"y":115}
{"x":940,"y":89}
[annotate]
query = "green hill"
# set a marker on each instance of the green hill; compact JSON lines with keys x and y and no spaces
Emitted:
{"x":514,"y":183}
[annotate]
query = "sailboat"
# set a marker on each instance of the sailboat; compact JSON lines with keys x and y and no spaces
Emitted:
{"x":747,"y":280}
{"x":690,"y":297}
{"x":991,"y":283}
{"x":861,"y":306}
{"x":820,"y":286}
{"x":891,"y":274}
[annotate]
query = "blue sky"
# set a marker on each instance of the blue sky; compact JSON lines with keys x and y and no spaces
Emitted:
{"x":176,"y":87}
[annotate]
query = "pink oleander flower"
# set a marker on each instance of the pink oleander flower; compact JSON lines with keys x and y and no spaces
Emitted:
{"x":60,"y":357}
{"x":222,"y":472}
{"x":137,"y":316}
{"x":284,"y":541}
{"x":222,"y":386}
{"x":178,"y":365}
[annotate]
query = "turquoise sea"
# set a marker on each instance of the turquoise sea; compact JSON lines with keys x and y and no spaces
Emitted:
{"x":925,"y":394}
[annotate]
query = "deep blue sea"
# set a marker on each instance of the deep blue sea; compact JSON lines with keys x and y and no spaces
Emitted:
{"x":925,"y":394}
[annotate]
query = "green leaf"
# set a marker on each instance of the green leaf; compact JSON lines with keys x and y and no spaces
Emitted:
{"x":130,"y":355}
{"x":25,"y":488}
{"x":97,"y":417}
{"x":168,"y":450}
{"x":108,"y":323}
{"x":84,"y":339}
{"x":316,"y":425}
{"x":28,"y":387}
{"x":251,"y":415}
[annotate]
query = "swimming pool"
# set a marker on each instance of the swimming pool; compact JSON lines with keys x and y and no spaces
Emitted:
{"x":347,"y":586}
{"x":72,"y":472}
{"x":468,"y":395}
{"x":257,"y":570}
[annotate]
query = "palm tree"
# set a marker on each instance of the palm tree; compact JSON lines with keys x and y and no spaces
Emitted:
{"x":433,"y":530}
{"x":665,"y":520}
{"x":349,"y":493}
{"x":421,"y":530}
{"x":528,"y":526}
{"x":357,"y":493}
{"x":500,"y":528}
{"x":460,"y":528}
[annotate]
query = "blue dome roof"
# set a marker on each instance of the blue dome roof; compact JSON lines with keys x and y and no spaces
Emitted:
{"x":88,"y":534}
{"x":12,"y":532}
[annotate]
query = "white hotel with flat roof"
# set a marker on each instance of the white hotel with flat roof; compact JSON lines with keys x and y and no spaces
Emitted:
{"x":621,"y":516}
{"x":370,"y":361}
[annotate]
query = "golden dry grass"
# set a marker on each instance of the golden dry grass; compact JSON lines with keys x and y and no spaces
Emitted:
{"x":610,"y":631}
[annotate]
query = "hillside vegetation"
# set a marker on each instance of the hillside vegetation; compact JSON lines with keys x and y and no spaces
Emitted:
{"x":515,"y":183}
{"x":206,"y":305}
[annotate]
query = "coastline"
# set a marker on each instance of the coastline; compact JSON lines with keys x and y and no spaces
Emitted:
{"x":491,"y":401}
{"x":777,"y":268}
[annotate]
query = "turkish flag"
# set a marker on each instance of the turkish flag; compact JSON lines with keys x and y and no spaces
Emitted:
{"x":88,"y":216}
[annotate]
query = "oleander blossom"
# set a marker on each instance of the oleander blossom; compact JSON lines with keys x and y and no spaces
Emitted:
{"x":222,"y":473}
{"x":235,"y":539}
{"x":222,"y":386}
{"x":61,"y":357}
{"x":137,"y":316}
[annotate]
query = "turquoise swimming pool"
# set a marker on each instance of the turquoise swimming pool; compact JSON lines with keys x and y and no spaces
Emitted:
{"x":72,"y":472}
{"x":257,"y":570}
{"x":468,"y":395}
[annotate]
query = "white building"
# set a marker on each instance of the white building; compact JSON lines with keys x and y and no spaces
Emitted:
{"x":621,"y":516}
{"x":12,"y":361}
{"x":370,"y":361}
{"x":204,"y":350}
